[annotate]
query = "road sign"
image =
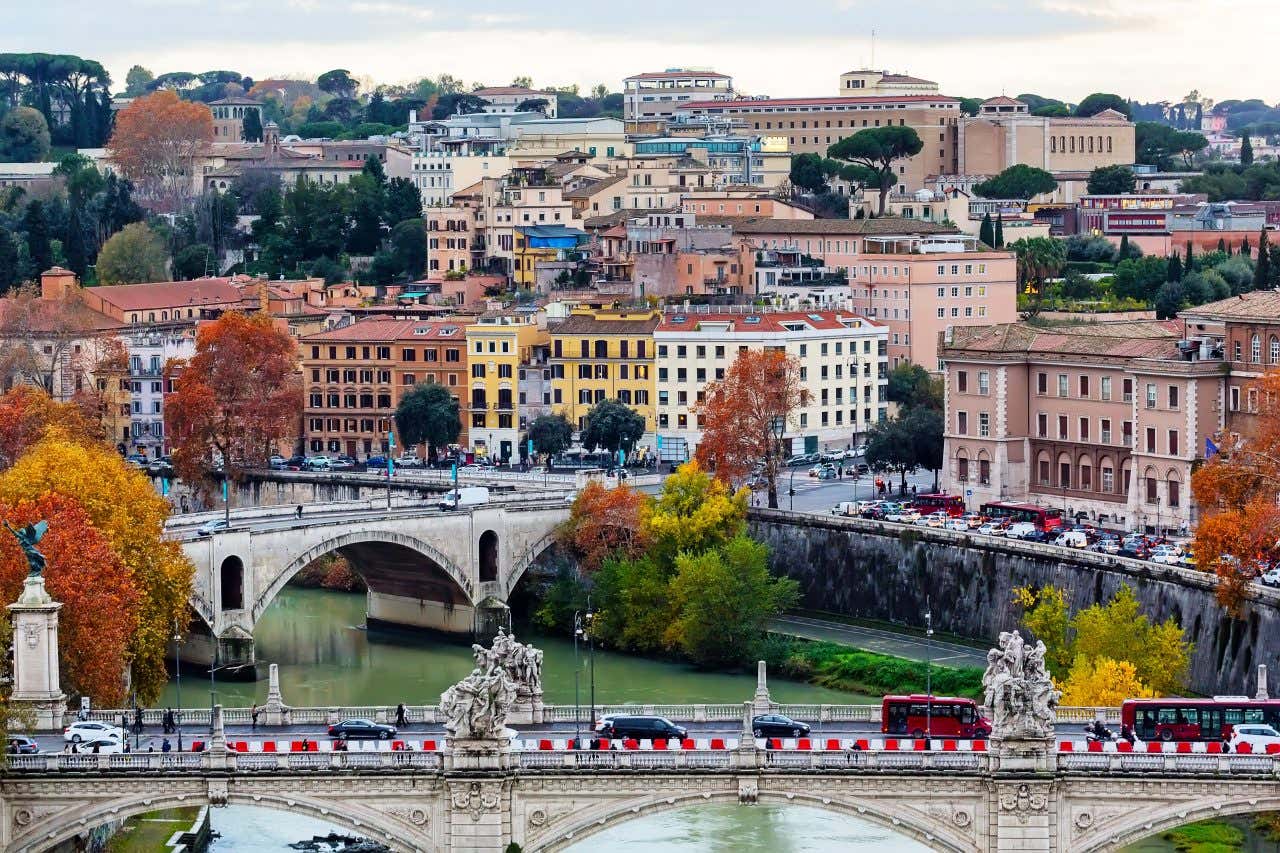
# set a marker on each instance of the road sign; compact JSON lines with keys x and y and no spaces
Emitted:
{"x":968,"y":493}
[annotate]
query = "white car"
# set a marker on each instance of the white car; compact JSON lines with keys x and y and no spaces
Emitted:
{"x":218,"y":525}
{"x":935,"y":520}
{"x":1169,"y":555}
{"x":101,"y":746}
{"x":91,"y":730}
{"x":904,"y":516}
{"x":1258,"y":736}
{"x":1021,"y":529}
{"x":1271,"y":578}
{"x":991,"y":530}
{"x":958,"y":524}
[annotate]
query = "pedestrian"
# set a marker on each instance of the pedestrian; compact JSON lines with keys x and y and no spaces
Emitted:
{"x":166,"y":746}
{"x":400,"y":717}
{"x":913,"y":490}
{"x":298,"y":512}
{"x":253,"y":716}
{"x":124,"y":721}
{"x":839,"y":471}
{"x":168,"y":726}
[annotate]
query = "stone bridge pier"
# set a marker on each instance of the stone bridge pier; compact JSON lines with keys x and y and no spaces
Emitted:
{"x":446,"y":572}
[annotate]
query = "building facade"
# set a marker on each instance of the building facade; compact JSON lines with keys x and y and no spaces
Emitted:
{"x":650,"y":99}
{"x":604,"y":355}
{"x":500,"y":349}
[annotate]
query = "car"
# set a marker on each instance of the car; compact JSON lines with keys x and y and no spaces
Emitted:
{"x":1257,"y":735}
{"x":845,"y":508}
{"x":464,"y":496}
{"x":354,"y":729}
{"x":1019,"y":529}
{"x":375,"y":462}
{"x":159,"y":467}
{"x":936,"y":520}
{"x":902,"y":515}
{"x":1072,"y":539}
{"x":318,"y":463}
{"x":827,"y":473}
{"x":1271,"y":578}
{"x":1134,"y":551}
{"x":816,"y":470}
{"x":1036,"y":536}
{"x":23,"y":745}
{"x":957,"y":524}
{"x":277,"y":462}
{"x":874,"y":513}
{"x":1168,"y":555}
{"x":89,"y":730}
{"x":972,"y":520}
{"x":137,"y":460}
{"x":218,"y":525}
{"x":408,"y":460}
{"x":100,"y":746}
{"x":295,"y":463}
{"x":778,"y":725}
{"x":639,"y":727}
{"x":990,"y":529}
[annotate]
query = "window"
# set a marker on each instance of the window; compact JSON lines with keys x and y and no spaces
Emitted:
{"x":1042,"y":425}
{"x":1106,"y":388}
{"x":1062,"y":384}
{"x":984,"y":382}
{"x":1128,"y":390}
{"x":1043,"y":472}
{"x":962,"y":423}
{"x":1062,"y":427}
{"x":1235,"y":346}
{"x":1064,"y":475}
{"x":1151,"y":439}
{"x":1235,"y":398}
{"x":1151,"y":395}
{"x":1173,"y":396}
{"x":1042,"y":384}
{"x":962,"y":381}
{"x":1151,"y":490}
{"x":1174,"y":496}
{"x":984,"y":472}
{"x":1275,"y":350}
{"x":984,"y":424}
{"x":1084,"y":429}
{"x":1255,"y":349}
{"x":962,"y":469}
{"x":1108,"y":479}
{"x":1084,"y":385}
{"x":1104,"y":427}
{"x":1126,"y":432}
{"x":1173,"y":442}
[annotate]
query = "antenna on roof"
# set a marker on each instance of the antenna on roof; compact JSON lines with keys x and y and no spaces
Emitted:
{"x":873,"y":48}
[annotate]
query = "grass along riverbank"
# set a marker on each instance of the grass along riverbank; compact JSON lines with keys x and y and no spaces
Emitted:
{"x":840,"y":667}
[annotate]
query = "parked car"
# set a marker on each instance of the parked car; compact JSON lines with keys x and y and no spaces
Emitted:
{"x":218,"y":525}
{"x":1133,"y":550}
{"x":342,"y":462}
{"x":778,"y":725}
{"x":1036,"y":536}
{"x":972,"y":520}
{"x":408,"y":460}
{"x":23,"y":745}
{"x":361,"y":728}
{"x":318,"y":463}
{"x":137,"y":460}
{"x":991,"y":529}
{"x":376,"y":462}
{"x":1270,"y":578}
{"x":1168,"y":555}
{"x":874,"y":513}
{"x":295,"y":463}
{"x":159,"y":468}
{"x":957,"y":524}
{"x":640,"y":727}
{"x":845,"y":508}
{"x":88,"y":730}
{"x":277,"y":462}
{"x":1257,"y":735}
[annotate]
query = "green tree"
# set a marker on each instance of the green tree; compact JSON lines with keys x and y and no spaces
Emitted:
{"x":999,"y":231}
{"x":987,"y":232}
{"x":368,"y":208}
{"x":612,"y":425}
{"x":36,"y":225}
{"x":1262,"y":267}
{"x":429,"y":414}
{"x":910,"y":385}
{"x":10,"y":276}
{"x":875,"y":150}
{"x":1175,"y":267}
{"x":1038,"y":258}
{"x":191,"y":261}
{"x":404,"y":201}
{"x":694,"y":512}
{"x":1157,"y":144}
{"x":807,"y":173}
{"x":923,"y":428}
{"x":409,"y":247}
{"x":1123,"y":252}
{"x":1246,"y":149}
{"x":890,"y":448}
{"x":1111,"y":180}
{"x":338,"y":83}
{"x":551,"y":434}
{"x":133,"y":255}
{"x":253,"y":126}
{"x":1020,"y":181}
{"x":136,"y":81}
{"x":1139,"y":278}
{"x":725,"y":599}
{"x":74,"y":243}
{"x":1169,"y":300}
{"x":1099,"y":101}
{"x":24,"y":136}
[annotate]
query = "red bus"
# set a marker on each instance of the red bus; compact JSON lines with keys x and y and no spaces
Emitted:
{"x":952,"y":505}
{"x":1196,"y":719}
{"x":1043,"y":517}
{"x":941,"y":715}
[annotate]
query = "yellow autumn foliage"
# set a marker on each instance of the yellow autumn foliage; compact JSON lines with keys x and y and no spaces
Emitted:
{"x":124,"y":507}
{"x":694,"y":512}
{"x":1102,"y":682}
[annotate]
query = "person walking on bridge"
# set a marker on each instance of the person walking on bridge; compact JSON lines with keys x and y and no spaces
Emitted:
{"x":401,"y":722}
{"x":298,"y":512}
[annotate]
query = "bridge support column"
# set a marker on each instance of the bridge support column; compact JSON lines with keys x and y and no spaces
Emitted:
{"x":36,"y":678}
{"x":479,"y":809}
{"x":395,"y":611}
{"x":1023,"y":800}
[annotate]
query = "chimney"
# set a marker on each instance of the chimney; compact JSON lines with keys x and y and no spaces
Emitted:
{"x":57,"y":283}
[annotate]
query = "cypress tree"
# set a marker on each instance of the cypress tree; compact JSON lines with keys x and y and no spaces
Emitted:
{"x":1188,"y":263}
{"x":1246,"y":150}
{"x":73,"y":244}
{"x":999,"y":231}
{"x":987,"y":234}
{"x":1124,"y":248}
{"x":1262,"y":269}
{"x":1175,"y":267}
{"x":37,"y":228}
{"x":1222,"y":244}
{"x":1228,"y":250}
{"x":1244,"y":247}
{"x":8,"y":261}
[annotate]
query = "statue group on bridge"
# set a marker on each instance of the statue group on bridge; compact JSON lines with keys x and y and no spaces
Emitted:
{"x":477,"y":706}
{"x":1019,"y":690}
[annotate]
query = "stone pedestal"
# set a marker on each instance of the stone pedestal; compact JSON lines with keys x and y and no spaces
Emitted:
{"x":273,"y":712}
{"x":37,"y":692}
{"x":471,"y":754}
{"x":1023,"y":755}
{"x":1261,"y":692}
{"x":1024,"y":817}
{"x":762,"y":703}
{"x":527,"y":710}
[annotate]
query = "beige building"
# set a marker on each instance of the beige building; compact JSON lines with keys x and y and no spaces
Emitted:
{"x":500,"y":347}
{"x":649,"y":100}
{"x":229,"y":115}
{"x":870,"y":82}
{"x":1104,"y":421}
{"x":506,"y":99}
{"x":1004,"y":134}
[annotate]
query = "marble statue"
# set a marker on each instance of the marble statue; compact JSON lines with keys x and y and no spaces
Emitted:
{"x":28,"y":537}
{"x":521,"y":662}
{"x":477,"y":706}
{"x":1019,"y":691}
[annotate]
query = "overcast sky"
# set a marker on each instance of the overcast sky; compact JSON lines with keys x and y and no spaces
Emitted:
{"x":1145,"y":49}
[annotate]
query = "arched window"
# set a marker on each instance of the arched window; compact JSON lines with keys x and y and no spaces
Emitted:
{"x":984,"y":468}
{"x":488,"y":556}
{"x":1043,"y":474}
{"x":1255,"y":349}
{"x":1173,"y":488}
{"x":1064,"y":471}
{"x":1106,"y":475}
{"x":1084,"y":474}
{"x":1053,"y":144}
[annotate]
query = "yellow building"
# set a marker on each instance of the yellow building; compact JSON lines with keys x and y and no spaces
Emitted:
{"x":606,"y":354}
{"x":500,"y":348}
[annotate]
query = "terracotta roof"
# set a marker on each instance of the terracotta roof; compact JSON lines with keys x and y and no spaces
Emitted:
{"x":1150,"y":339}
{"x":377,"y":330}
{"x":1003,"y":101}
{"x":1258,"y":306}
{"x":169,"y":294}
{"x":763,"y":322}
{"x":904,"y":78}
{"x":51,"y":316}
{"x":582,"y":324}
{"x":848,"y":227}
{"x":819,"y":102}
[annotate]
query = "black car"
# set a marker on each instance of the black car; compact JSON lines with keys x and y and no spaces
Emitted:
{"x":875,"y":513}
{"x":1133,"y":551}
{"x":640,"y":728}
{"x":778,"y":725}
{"x":1035,"y":536}
{"x":22,"y":745}
{"x":353,"y":729}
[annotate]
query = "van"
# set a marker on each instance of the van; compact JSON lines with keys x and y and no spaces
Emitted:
{"x":845,"y":508}
{"x":464,"y":497}
{"x":1021,"y":529}
{"x":1072,"y":539}
{"x":640,"y":728}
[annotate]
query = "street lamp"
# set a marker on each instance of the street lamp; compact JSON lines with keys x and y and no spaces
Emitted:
{"x":177,"y":670}
{"x":578,"y":632}
{"x":928,"y":668}
{"x":589,"y":620}
{"x":778,"y":426}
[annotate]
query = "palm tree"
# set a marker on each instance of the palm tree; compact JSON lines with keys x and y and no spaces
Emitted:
{"x":1038,"y":259}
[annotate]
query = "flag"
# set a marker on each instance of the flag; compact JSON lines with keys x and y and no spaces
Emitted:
{"x":1210,"y":449}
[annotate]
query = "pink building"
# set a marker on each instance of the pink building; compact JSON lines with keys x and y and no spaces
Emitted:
{"x":1104,"y":421}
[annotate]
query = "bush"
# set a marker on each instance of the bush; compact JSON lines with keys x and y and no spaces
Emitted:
{"x":1090,"y":249}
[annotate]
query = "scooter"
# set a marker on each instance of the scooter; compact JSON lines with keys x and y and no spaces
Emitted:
{"x":1099,"y":733}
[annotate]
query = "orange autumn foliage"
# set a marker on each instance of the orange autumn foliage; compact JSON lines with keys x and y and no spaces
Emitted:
{"x":1238,"y":535}
{"x":155,"y":142}
{"x":99,"y":597}
{"x":604,"y":522}
{"x":27,"y":412}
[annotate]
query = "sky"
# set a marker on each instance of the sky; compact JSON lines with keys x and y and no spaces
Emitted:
{"x":1144,"y":49}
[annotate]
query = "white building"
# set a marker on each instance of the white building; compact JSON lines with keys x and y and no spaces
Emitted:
{"x":149,"y":350}
{"x":843,"y":366}
{"x":506,"y":99}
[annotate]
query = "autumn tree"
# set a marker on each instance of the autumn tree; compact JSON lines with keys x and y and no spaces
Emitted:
{"x":744,"y":412}
{"x":1102,"y":683}
{"x":123,"y":507}
{"x":605,"y":522}
{"x":693,"y":513}
{"x":238,"y":395}
{"x":133,"y":255}
{"x":155,"y":143}
{"x":26,"y":415}
{"x":1236,"y":491}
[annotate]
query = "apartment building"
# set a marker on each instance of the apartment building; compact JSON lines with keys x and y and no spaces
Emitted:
{"x":605,"y":354}
{"x":524,"y":198}
{"x":1244,"y":331}
{"x":355,"y":375}
{"x":650,"y":99}
{"x":1105,"y":421}
{"x":500,"y":347}
{"x":842,"y":360}
{"x":454,"y":164}
{"x":867,"y":81}
{"x":507,"y":99}
{"x":920,"y":286}
{"x":453,"y":244}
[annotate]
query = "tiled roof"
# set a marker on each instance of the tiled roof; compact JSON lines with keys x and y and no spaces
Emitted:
{"x":748,"y":105}
{"x":582,"y":324}
{"x":591,"y":189}
{"x":903,"y":78}
{"x":169,"y":294}
{"x":1151,"y":339}
{"x":50,"y":316}
{"x":1257,"y":305}
{"x":376,"y":330}
{"x":1003,"y":101}
{"x":848,"y":227}
{"x":762,"y":322}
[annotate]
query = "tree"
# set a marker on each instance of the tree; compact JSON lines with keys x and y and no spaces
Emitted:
{"x":550,"y":434}
{"x":533,"y":105}
{"x":1020,"y":181}
{"x":725,"y":600}
{"x":612,"y":426}
{"x":693,"y":513}
{"x":409,"y":247}
{"x":1175,"y":268}
{"x":890,"y":448}
{"x":1169,"y":300}
{"x":155,"y":143}
{"x":1102,"y":682}
{"x":252,"y":126}
{"x":1262,"y":268}
{"x":875,"y":149}
{"x":910,"y":385}
{"x":1111,"y":180}
{"x":137,"y":81}
{"x":999,"y":231}
{"x":133,"y":255}
{"x":1123,"y":252}
{"x":986,"y":231}
{"x":459,"y":103}
{"x":1099,"y":101}
{"x":1038,"y":258}
{"x":759,"y":394}
{"x":1190,"y":264}
{"x":1140,"y":278}
{"x":27,"y":413}
{"x":428,"y":414}
{"x":235,"y":398}
{"x":24,"y":136}
{"x":191,"y":261}
{"x":923,"y":428}
{"x":122,"y":506}
{"x":37,"y":227}
{"x":807,"y":173}
{"x":338,"y":83}
{"x":1246,"y":150}
{"x":605,"y":523}
{"x":9,"y":274}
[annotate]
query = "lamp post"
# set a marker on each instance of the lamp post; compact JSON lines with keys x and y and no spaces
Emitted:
{"x":591,"y":658}
{"x":177,"y":671}
{"x":778,"y":426}
{"x":928,"y":668}
{"x":577,"y":672}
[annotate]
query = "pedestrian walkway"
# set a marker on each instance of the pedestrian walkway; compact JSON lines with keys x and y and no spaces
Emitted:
{"x":885,"y":642}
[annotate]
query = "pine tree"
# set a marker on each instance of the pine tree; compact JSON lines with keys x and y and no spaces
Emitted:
{"x":1262,"y":269}
{"x":1246,"y":150}
{"x":986,"y":233}
{"x":1175,"y":267}
{"x":999,"y":231}
{"x":1124,"y":248}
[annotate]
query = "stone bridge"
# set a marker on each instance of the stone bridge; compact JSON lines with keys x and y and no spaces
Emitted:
{"x":457,"y":800}
{"x":425,"y":568}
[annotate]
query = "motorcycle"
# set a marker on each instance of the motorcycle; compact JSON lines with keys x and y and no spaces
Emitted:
{"x":1096,"y":732}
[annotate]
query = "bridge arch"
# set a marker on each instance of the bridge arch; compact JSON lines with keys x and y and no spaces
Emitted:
{"x":46,"y":832}
{"x":1093,"y":832}
{"x":521,"y":563}
{"x":329,"y":544}
{"x":934,"y":833}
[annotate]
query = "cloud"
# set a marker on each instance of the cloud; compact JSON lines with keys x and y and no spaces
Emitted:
{"x":401,"y":10}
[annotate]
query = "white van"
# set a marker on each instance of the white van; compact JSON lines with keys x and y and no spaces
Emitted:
{"x":1072,"y":539}
{"x":845,"y":508}
{"x":464,"y":497}
{"x":1021,"y":529}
